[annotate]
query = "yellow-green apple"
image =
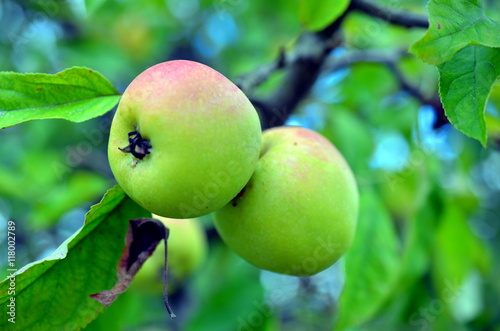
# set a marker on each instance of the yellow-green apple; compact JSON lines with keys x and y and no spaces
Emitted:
{"x":297,"y":215}
{"x":184,"y":140}
{"x":187,"y":250}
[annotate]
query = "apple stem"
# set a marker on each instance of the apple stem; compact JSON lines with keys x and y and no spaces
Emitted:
{"x":165,"y":279}
{"x":239,"y":195}
{"x":138,"y":146}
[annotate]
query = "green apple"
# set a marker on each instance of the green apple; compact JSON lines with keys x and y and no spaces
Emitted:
{"x":187,"y":251}
{"x":297,"y":215}
{"x":184,"y":140}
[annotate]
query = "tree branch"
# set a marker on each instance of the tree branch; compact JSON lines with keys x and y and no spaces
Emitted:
{"x":302,"y":66}
{"x":404,"y":19}
{"x":390,"y":60}
{"x":251,"y":80}
{"x":300,"y":76}
{"x":434,"y":101}
{"x":305,"y":61}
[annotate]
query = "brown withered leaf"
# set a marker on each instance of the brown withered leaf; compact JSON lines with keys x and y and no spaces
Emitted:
{"x":143,"y":235}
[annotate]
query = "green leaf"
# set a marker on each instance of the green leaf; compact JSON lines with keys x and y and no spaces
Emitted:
{"x":452,"y":26}
{"x":93,"y":5}
{"x":419,"y":238}
{"x":371,"y":264}
{"x":340,"y":128}
{"x":226,"y":286}
{"x":79,"y":189}
{"x":493,"y":126}
{"x":53,"y":293}
{"x":465,"y":83}
{"x":457,"y":250}
{"x":317,"y":15}
{"x":76,"y":94}
{"x":495,"y":96}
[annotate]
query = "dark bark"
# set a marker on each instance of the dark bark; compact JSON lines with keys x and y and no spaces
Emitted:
{"x":303,"y":64}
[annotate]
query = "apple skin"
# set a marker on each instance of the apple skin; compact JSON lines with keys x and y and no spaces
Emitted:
{"x":204,"y":134}
{"x":187,"y":251}
{"x":297,"y":215}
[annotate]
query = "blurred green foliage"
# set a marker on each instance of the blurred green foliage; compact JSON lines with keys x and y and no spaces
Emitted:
{"x":427,"y":247}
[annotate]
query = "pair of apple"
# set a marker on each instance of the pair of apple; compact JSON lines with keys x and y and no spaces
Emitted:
{"x":185,"y":141}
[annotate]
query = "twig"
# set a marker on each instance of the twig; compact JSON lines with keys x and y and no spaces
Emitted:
{"x":433,"y":101}
{"x":253,"y":79}
{"x":390,"y":60}
{"x":348,"y":58}
{"x":408,"y":20}
{"x":302,"y":66}
{"x":304,"y":63}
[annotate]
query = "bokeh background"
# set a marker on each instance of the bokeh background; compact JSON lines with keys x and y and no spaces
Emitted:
{"x":432,"y":266}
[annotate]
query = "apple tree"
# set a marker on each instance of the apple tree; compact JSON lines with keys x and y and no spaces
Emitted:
{"x":402,"y":95}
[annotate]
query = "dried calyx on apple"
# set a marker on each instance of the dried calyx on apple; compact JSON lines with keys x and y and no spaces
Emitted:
{"x":138,"y":146}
